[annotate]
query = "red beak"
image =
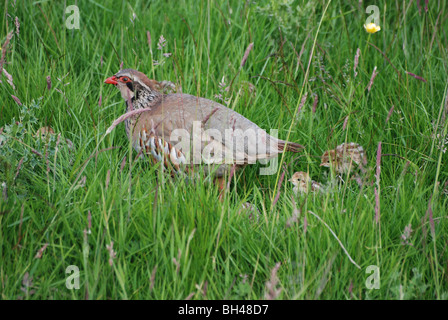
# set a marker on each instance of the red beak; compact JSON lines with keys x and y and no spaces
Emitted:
{"x":111,"y":80}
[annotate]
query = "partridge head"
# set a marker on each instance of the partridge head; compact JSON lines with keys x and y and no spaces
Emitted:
{"x":135,"y":87}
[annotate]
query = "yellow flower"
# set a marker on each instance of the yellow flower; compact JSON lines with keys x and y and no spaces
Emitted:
{"x":372,"y":28}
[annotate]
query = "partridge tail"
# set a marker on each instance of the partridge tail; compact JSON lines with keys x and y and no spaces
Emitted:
{"x":290,"y":146}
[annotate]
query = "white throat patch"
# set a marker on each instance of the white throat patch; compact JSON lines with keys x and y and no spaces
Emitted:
{"x":126,"y":94}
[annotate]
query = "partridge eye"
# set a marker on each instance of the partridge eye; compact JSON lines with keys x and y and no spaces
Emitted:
{"x":125,"y":79}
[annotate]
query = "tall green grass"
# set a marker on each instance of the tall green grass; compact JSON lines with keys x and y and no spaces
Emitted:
{"x":174,"y":239}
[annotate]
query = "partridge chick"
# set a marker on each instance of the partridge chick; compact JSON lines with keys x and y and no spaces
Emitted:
{"x":303,"y":183}
{"x":344,"y":158}
{"x":44,"y":133}
{"x":251,"y":211}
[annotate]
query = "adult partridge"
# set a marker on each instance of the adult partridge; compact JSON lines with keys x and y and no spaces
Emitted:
{"x":184,"y":131}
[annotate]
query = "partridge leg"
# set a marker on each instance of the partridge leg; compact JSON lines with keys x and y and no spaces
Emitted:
{"x":221,"y":182}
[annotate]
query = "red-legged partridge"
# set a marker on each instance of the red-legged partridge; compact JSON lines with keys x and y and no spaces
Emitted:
{"x":156,"y":131}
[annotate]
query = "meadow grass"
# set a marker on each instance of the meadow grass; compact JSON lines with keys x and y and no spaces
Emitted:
{"x":173,"y":238}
